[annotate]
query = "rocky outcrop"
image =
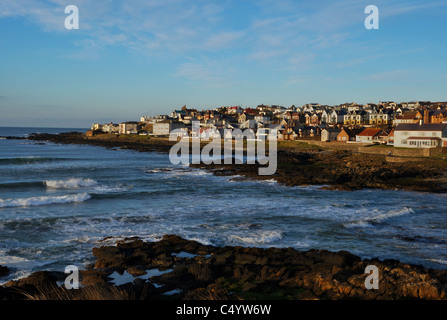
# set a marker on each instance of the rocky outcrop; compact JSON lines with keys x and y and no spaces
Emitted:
{"x":184,"y":269}
{"x":345,"y":170}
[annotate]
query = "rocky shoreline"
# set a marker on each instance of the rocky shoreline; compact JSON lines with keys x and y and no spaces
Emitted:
{"x":332,"y":169}
{"x":177,"y":269}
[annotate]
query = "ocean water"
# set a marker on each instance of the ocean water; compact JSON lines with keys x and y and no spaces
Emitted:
{"x":57,"y":202}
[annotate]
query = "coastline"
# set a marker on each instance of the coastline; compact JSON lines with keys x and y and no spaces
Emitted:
{"x":208,"y":272}
{"x":305,"y":164}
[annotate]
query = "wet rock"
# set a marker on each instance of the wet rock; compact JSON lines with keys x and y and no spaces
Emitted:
{"x":242,"y":273}
{"x":4,"y":271}
{"x":40,"y":279}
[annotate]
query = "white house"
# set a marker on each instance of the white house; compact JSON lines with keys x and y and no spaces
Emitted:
{"x":324,"y":117}
{"x":96,"y":126}
{"x":249,"y":124}
{"x":262,"y":119}
{"x":371,"y":135}
{"x":111,"y":128}
{"x":414,"y":135}
{"x":336,"y":116}
{"x":329,"y":134}
{"x":164,"y":128}
{"x":129,"y":127}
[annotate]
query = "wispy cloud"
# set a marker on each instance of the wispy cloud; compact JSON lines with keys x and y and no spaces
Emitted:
{"x":392,"y":75}
{"x":395,"y":9}
{"x":288,"y":34}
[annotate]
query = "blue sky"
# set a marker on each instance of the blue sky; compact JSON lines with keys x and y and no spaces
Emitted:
{"x":132,"y":58}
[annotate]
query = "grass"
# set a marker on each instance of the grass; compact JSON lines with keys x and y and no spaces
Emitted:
{"x":297,"y":145}
{"x":54,"y":292}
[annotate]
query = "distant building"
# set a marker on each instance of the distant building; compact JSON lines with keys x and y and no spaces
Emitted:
{"x":336,"y":117}
{"x":129,"y":127}
{"x":355,"y":118}
{"x":346,"y":134}
{"x":111,"y":128}
{"x":178,"y":113}
{"x":371,"y":135}
{"x":164,"y":128}
{"x":330,"y":134}
{"x":96,"y":126}
{"x":409,"y":117}
{"x":381,"y":117}
{"x":438,"y":116}
{"x":420,"y":135}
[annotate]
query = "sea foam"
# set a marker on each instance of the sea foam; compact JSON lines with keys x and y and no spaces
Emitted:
{"x":258,"y":238}
{"x":366,"y":222}
{"x":45,"y":200}
{"x":73,"y":183}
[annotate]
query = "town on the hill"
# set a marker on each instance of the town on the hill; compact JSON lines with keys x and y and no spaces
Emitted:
{"x":421,"y":124}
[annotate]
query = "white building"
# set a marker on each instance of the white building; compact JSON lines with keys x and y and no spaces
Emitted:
{"x":329,"y":134}
{"x":164,"y":128}
{"x":111,"y":128}
{"x":129,"y":127}
{"x":416,"y":135}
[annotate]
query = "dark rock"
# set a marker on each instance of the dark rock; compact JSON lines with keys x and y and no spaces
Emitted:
{"x":240,"y":273}
{"x":39,"y":279}
{"x":4,"y":271}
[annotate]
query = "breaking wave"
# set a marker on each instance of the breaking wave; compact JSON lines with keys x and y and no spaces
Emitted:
{"x":45,"y":200}
{"x":366,"y":222}
{"x":73,"y":183}
{"x":258,"y":238}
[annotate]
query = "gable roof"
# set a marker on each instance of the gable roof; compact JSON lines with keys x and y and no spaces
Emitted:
{"x":351,"y":132}
{"x":410,"y":114}
{"x":371,"y":132}
{"x":439,"y":112}
{"x":420,"y":127}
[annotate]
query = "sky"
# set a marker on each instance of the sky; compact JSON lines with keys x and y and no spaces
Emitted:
{"x":147,"y":57}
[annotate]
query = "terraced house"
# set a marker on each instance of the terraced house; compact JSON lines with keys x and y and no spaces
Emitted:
{"x":355,"y":118}
{"x":380,"y":117}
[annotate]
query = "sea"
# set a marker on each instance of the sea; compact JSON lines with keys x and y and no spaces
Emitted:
{"x":57,"y":202}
